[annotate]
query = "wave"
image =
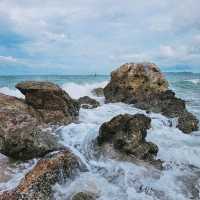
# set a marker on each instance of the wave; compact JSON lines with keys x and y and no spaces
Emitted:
{"x":73,"y":89}
{"x":114,"y":179}
{"x":11,"y":92}
{"x":194,"y":81}
{"x":79,"y":90}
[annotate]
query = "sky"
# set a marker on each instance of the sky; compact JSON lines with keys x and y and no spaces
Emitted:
{"x":97,"y":36}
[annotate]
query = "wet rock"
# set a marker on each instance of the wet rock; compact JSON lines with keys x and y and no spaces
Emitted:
{"x":133,"y":82}
{"x":21,"y":132}
{"x":53,"y":168}
{"x":187,"y":122}
{"x":127,"y":133}
{"x":145,"y":86}
{"x":88,"y":103}
{"x":83,"y":196}
{"x":53,"y":104}
{"x":98,"y":92}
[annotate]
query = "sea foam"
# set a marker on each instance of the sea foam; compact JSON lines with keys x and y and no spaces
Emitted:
{"x":111,"y":179}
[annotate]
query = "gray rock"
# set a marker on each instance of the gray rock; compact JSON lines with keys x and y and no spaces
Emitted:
{"x":83,"y":196}
{"x":88,"y":103}
{"x":126,"y":134}
{"x":21,"y":132}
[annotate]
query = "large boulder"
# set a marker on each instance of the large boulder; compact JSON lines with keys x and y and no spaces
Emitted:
{"x":145,"y":86}
{"x":22,"y":135}
{"x":126,"y":134}
{"x":53,"y":168}
{"x":134,"y":82}
{"x":88,"y":103}
{"x":53,"y":104}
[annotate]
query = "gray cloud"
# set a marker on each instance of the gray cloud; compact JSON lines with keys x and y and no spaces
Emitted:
{"x":97,"y":35}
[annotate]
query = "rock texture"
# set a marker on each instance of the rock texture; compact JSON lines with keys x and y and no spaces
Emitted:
{"x":98,"y":92}
{"x":83,"y":196}
{"x":53,"y":104}
{"x":21,"y":133}
{"x":145,"y":86}
{"x":88,"y":103}
{"x":52,"y":169}
{"x":127,"y":133}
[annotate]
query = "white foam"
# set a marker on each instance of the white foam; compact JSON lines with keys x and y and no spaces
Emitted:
{"x":11,"y":92}
{"x":79,"y":90}
{"x":112,"y":179}
{"x":194,"y":81}
{"x":127,"y":181}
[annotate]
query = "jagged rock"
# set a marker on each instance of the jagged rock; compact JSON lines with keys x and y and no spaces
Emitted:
{"x":145,"y":86}
{"x":127,"y":133}
{"x":53,"y":104}
{"x":187,"y":122}
{"x":21,"y":132}
{"x":132,"y":83}
{"x":53,"y":168}
{"x":88,"y":103}
{"x":83,"y":196}
{"x":98,"y":92}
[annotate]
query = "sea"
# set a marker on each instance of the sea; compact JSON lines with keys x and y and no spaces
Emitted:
{"x":119,"y":180}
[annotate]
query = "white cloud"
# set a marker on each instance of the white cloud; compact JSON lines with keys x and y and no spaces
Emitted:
{"x":7,"y":59}
{"x":104,"y":33}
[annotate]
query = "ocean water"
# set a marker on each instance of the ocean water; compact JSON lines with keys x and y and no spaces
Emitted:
{"x":111,"y":179}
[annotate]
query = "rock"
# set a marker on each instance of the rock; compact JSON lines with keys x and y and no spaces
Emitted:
{"x":127,"y":133}
{"x":84,"y":196}
{"x":187,"y":122}
{"x":21,"y":132}
{"x":53,"y":104}
{"x":145,"y":86}
{"x":53,"y":168}
{"x":132,"y":83}
{"x":98,"y":92}
{"x":88,"y":103}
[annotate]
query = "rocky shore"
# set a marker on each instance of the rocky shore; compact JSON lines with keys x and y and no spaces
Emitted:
{"x":27,"y":127}
{"x":145,"y":86}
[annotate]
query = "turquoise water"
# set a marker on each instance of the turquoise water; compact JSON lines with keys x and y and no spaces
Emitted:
{"x":11,"y":81}
{"x":186,"y":85}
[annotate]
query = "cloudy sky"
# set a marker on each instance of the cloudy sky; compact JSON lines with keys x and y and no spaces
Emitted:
{"x":87,"y":36}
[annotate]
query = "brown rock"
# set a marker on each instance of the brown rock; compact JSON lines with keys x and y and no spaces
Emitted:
{"x":53,"y":103}
{"x":127,"y":133}
{"x":144,"y":86}
{"x":132,"y":82}
{"x":21,"y":134}
{"x":88,"y":103}
{"x":37,"y":184}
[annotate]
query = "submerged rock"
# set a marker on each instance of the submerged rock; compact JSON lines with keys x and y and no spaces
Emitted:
{"x":83,"y":196}
{"x":88,"y":103}
{"x":21,"y":132}
{"x":53,"y":104}
{"x":98,"y":92}
{"x":53,"y":168}
{"x":145,"y":86}
{"x":126,"y":134}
